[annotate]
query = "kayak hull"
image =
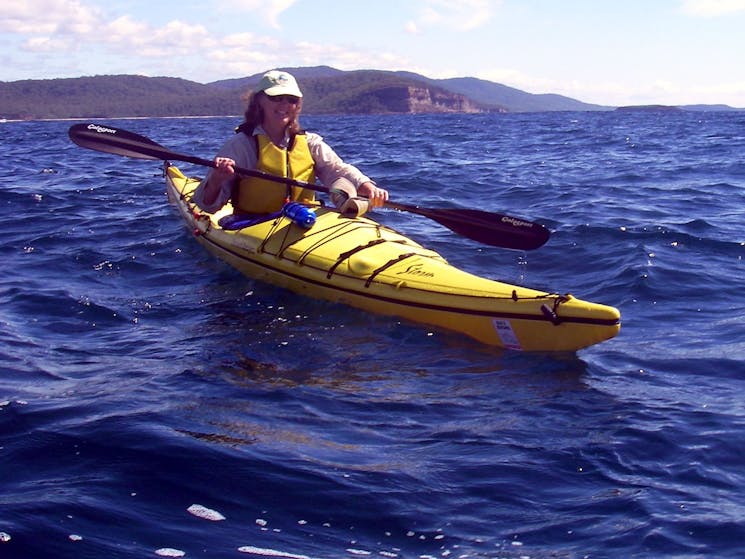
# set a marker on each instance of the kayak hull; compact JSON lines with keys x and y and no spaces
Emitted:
{"x":363,"y":264}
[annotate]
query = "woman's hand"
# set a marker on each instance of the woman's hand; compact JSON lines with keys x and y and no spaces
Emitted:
{"x":224,"y":168}
{"x":377,"y":196}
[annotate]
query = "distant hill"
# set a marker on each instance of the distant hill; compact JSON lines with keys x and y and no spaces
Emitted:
{"x":511,"y":99}
{"x":706,"y":108}
{"x":112,"y":96}
{"x":302,"y":74}
{"x":681,"y":108}
{"x":650,"y":108}
{"x":326,"y":91}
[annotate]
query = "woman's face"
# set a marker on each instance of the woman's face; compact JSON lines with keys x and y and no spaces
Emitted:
{"x":279,"y":110}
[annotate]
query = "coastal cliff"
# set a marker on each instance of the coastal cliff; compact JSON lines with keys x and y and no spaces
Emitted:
{"x":413,"y":99}
{"x":427,"y":100}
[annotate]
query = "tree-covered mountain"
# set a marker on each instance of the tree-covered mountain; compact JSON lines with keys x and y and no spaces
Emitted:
{"x":112,"y":96}
{"x":326,"y":91}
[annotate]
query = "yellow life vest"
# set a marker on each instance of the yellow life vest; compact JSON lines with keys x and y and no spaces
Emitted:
{"x":257,"y":195}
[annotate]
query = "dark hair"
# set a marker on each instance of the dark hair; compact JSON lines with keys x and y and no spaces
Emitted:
{"x":254,"y":115}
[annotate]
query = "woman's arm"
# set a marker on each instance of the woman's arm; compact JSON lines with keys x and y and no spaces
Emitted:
{"x":217,"y":187}
{"x":330,"y":167}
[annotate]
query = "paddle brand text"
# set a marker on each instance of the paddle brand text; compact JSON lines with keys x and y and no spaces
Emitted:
{"x":101,"y":129}
{"x":516,"y":222}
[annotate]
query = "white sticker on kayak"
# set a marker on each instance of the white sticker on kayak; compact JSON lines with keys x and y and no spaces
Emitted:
{"x":506,"y":334}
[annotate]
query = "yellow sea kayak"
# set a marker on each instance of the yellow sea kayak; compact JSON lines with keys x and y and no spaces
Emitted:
{"x":361,"y":263}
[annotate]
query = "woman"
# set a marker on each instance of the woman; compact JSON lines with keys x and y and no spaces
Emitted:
{"x":271,"y":140}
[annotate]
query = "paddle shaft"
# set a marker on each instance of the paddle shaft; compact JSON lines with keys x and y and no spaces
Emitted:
{"x":486,"y":227}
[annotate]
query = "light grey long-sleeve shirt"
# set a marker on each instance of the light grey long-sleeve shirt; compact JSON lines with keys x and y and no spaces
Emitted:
{"x":242,"y":149}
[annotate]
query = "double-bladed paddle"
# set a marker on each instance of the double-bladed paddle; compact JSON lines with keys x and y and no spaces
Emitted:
{"x":485,"y":227}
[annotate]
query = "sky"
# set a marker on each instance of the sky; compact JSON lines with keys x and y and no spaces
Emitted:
{"x":609,"y":52}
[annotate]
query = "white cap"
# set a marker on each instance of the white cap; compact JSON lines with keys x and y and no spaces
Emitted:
{"x":276,"y":82}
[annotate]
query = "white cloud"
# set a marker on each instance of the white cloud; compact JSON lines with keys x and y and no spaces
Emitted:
{"x":346,"y":57}
{"x":463,"y":15}
{"x":65,"y":29}
{"x":124,"y":29}
{"x":44,"y":17}
{"x":240,"y":54}
{"x":618,"y":92}
{"x":125,"y":35}
{"x":712,"y":8}
{"x":45,"y":44}
{"x":268,"y":10}
{"x":411,"y":28}
{"x":517,"y":79}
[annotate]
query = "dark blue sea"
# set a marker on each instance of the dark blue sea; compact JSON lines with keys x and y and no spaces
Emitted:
{"x":156,"y":403}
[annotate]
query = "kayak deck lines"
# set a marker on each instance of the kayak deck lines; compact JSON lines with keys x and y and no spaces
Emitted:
{"x":555,"y":298}
{"x":391,"y":262}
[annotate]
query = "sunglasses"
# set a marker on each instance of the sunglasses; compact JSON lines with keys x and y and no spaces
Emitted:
{"x":291,"y":99}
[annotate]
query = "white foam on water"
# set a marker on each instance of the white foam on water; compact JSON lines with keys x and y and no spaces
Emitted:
{"x":75,"y":538}
{"x":270,"y":552}
{"x":4,"y":537}
{"x":169,"y":552}
{"x":203,"y":512}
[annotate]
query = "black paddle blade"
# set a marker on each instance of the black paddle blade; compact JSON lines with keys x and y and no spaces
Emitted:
{"x":489,"y":228}
{"x":122,"y":142}
{"x":114,"y":140}
{"x":493,"y":229}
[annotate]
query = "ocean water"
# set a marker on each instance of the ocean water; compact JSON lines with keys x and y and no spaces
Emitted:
{"x":154,"y":402}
